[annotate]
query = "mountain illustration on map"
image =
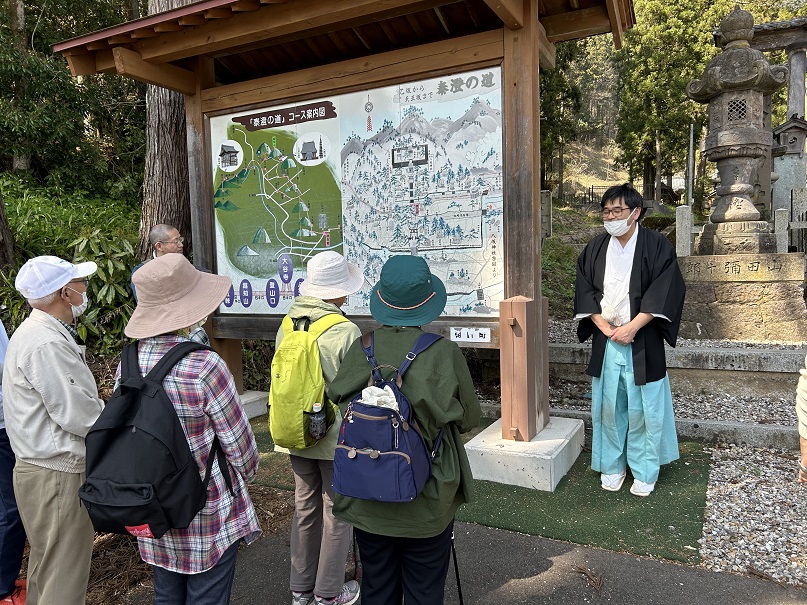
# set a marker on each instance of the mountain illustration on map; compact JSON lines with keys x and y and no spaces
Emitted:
{"x":431,"y":188}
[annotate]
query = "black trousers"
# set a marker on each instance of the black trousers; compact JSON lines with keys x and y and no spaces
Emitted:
{"x":411,"y":570}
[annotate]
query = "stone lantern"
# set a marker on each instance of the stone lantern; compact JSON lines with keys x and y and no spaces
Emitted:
{"x":734,"y":84}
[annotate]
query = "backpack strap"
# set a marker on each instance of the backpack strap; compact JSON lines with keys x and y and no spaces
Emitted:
{"x":318,"y":328}
{"x":367,"y":345}
{"x":217,"y":452}
{"x":171,"y":358}
{"x":423,"y":342}
{"x":158,"y":374}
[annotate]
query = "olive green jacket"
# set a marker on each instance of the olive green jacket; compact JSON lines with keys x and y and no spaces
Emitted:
{"x":438,"y":384}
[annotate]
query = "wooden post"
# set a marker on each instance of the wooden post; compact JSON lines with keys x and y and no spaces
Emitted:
{"x":518,"y":368}
{"x":522,"y":161}
{"x":201,"y":193}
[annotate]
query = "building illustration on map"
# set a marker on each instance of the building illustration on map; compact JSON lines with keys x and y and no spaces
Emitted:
{"x":417,"y":170}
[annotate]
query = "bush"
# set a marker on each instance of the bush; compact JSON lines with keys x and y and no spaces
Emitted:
{"x":558,"y":267}
{"x":658,"y":222}
{"x":75,"y":227}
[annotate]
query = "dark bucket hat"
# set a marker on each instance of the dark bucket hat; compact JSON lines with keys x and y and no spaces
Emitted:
{"x":407,"y":294}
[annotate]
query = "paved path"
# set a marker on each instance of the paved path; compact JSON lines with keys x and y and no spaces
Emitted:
{"x":501,"y":567}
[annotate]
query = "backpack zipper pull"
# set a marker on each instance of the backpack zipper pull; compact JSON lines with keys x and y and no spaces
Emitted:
{"x":395,"y":433}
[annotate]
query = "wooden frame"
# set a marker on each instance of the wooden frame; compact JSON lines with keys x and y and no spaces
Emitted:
{"x":440,"y":58}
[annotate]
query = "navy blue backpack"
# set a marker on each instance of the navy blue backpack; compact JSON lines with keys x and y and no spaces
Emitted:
{"x":381,"y":454}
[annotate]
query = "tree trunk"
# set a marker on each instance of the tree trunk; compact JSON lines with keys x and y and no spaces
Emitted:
{"x":560,"y":173}
{"x":648,"y":174}
{"x":699,"y":205}
{"x":16,"y":9}
{"x":134,"y":9}
{"x":7,"y":257}
{"x":166,"y":195}
{"x":657,"y":188}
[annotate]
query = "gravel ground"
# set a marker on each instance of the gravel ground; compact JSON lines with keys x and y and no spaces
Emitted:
{"x":756,"y":512}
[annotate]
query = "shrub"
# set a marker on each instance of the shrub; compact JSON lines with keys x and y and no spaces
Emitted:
{"x":75,"y":227}
{"x":558,"y":267}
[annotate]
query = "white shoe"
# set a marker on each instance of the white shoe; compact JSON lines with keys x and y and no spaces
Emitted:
{"x":640,"y":488}
{"x":612,"y":483}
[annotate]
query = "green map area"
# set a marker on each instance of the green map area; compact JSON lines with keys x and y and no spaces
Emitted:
{"x":273,"y":205}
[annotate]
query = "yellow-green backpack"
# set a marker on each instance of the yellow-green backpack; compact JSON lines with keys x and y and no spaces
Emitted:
{"x":297,"y":382}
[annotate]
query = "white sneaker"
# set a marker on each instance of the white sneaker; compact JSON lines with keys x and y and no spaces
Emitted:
{"x":612,"y":483}
{"x":302,"y":598}
{"x":640,"y":488}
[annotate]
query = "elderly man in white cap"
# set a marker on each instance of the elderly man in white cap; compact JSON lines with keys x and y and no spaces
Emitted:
{"x":50,"y":401}
{"x":196,"y":565}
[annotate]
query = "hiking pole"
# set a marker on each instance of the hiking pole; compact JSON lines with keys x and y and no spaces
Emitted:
{"x":456,"y":568}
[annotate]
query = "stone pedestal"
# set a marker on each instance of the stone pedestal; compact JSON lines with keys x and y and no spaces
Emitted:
{"x":537,"y":464}
{"x":751,"y":297}
{"x":742,"y":237}
{"x":254,"y":403}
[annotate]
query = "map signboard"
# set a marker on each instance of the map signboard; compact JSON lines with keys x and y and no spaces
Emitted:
{"x":413,"y":168}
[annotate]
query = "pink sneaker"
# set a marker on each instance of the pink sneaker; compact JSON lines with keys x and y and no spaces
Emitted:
{"x":349,"y":595}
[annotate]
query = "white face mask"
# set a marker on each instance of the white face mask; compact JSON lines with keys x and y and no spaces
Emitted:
{"x":79,"y":309}
{"x":618,"y":227}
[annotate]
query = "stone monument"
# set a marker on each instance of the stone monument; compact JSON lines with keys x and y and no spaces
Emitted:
{"x":737,"y":286}
{"x":734,"y":84}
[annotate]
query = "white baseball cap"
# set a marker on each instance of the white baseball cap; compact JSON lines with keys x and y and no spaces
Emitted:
{"x":44,"y":275}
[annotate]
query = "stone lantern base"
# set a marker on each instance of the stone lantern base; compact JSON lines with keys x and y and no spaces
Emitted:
{"x":751,"y":297}
{"x":743,"y":237}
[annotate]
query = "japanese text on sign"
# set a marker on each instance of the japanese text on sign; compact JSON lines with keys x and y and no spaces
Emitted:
{"x":470,"y":334}
{"x":322,"y":110}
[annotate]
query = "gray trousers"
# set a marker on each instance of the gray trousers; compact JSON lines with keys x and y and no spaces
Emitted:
{"x":319,"y":541}
{"x":60,"y":534}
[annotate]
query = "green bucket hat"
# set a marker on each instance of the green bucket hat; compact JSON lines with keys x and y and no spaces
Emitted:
{"x":407,"y":294}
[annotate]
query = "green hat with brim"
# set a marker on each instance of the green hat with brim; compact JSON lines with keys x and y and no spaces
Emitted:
{"x":407,"y":294}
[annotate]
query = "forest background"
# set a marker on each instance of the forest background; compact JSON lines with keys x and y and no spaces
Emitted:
{"x":74,"y":151}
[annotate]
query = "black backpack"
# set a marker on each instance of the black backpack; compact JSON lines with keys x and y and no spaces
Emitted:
{"x":141,"y":477}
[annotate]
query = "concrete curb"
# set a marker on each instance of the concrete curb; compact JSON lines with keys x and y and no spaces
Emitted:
{"x":700,"y":431}
{"x":717,"y":431}
{"x":701,"y":358}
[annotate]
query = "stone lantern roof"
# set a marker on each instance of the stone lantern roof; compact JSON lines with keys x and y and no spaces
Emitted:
{"x":738,"y":66}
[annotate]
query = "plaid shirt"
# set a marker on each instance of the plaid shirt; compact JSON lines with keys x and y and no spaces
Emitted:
{"x":204,"y":396}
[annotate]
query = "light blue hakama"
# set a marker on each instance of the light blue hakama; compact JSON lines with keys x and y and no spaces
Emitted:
{"x":632,"y":424}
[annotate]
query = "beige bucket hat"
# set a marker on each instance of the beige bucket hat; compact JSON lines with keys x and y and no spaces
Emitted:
{"x":173,"y":294}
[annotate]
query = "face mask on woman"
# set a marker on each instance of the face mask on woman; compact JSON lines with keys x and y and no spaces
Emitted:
{"x":618,"y":227}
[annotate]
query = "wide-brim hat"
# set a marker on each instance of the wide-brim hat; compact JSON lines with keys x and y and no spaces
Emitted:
{"x":330,"y":276}
{"x":407,"y":293}
{"x":45,"y":275}
{"x":172,"y":294}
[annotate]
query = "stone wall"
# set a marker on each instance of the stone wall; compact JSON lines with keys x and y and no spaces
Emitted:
{"x":750,"y":297}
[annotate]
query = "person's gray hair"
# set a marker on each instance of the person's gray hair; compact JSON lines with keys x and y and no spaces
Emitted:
{"x":159,"y":232}
{"x":42,"y":301}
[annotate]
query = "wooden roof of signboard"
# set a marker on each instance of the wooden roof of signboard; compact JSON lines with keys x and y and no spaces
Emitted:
{"x":250,"y":39}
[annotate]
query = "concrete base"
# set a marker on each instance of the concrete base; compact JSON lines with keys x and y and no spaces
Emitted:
{"x":254,"y":403}
{"x":537,"y":464}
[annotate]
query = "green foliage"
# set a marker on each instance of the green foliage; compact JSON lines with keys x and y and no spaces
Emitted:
{"x":80,"y":133}
{"x":558,"y":267}
{"x":560,"y":105}
{"x":75,"y":227}
{"x":670,"y":46}
{"x":658,"y":222}
{"x":594,"y":74}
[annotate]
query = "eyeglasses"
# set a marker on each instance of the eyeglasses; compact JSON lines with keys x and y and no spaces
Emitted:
{"x":176,"y":241}
{"x":83,"y":280}
{"x":616,"y":211}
